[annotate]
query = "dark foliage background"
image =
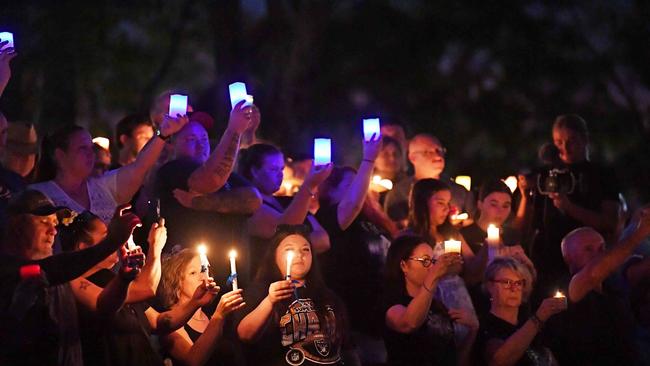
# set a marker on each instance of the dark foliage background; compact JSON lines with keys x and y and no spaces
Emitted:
{"x":487,"y":77}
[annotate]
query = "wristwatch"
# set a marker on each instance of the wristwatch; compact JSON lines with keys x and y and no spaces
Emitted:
{"x":162,"y":137}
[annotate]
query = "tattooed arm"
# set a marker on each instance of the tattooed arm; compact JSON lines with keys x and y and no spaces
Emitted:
{"x":241,"y":200}
{"x":104,"y":301}
{"x":213,"y":174}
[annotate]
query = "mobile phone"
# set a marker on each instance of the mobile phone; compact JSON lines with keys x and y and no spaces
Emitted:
{"x":7,"y":36}
{"x":371,"y":127}
{"x":177,"y":105}
{"x":322,"y":151}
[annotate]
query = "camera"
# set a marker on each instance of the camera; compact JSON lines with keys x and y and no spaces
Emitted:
{"x":556,"y":181}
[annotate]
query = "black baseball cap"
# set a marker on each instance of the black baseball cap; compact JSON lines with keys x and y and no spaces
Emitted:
{"x":34,"y":202}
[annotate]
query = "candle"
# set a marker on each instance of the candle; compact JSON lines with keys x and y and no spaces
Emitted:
{"x":177,"y":105}
{"x":461,"y":217}
{"x":233,"y":268}
{"x":452,"y":246}
{"x":370,"y":127}
{"x":492,"y":235}
{"x":290,"y":255}
{"x":237,"y":93}
{"x":322,"y":151}
{"x":465,"y":181}
{"x":103,"y":142}
{"x":130,"y":244}
{"x":9,"y":37}
{"x":205,"y":265}
{"x":511,"y":182}
{"x":559,"y":295}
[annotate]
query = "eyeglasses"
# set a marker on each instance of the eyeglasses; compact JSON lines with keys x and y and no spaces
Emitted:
{"x":510,"y":284}
{"x":426,"y":261}
{"x":432,"y":153}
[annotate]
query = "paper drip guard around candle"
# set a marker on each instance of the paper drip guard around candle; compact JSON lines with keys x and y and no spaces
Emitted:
{"x":233,"y":269}
{"x":371,"y":127}
{"x":205,"y":264}
{"x":452,"y":246}
{"x":103,"y":142}
{"x":177,"y":105}
{"x":9,"y":37}
{"x":511,"y":182}
{"x":322,"y":151}
{"x":465,"y":181}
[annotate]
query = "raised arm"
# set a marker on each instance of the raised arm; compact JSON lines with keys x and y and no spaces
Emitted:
{"x":600,"y":267}
{"x":199,"y":353}
{"x":500,"y":352}
{"x":145,"y":285}
{"x":265,"y":220}
{"x":130,"y":177}
{"x":67,"y":266}
{"x":6,"y":55}
{"x":214,"y":173}
{"x":352,"y":201}
{"x":169,"y":321}
{"x":254,"y":324}
{"x":408,"y":319}
{"x":241,"y":200}
{"x":319,"y":237}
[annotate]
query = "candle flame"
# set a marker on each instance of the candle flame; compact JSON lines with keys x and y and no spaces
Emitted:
{"x":559,"y":294}
{"x":202,"y":249}
{"x":232,"y":254}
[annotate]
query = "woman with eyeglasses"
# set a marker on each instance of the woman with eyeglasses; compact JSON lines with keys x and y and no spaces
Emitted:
{"x":419,"y":329}
{"x":506,"y":337}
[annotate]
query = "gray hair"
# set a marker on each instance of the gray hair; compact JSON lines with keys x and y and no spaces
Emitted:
{"x":513,"y":264}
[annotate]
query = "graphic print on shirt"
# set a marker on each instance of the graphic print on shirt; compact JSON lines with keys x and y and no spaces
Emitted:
{"x":308,"y":339}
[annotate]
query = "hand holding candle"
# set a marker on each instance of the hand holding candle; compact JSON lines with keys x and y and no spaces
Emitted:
{"x":452,"y":246}
{"x":233,"y":268}
{"x":493,"y":235}
{"x":290,"y":255}
{"x":177,"y":105}
{"x":205,"y":265}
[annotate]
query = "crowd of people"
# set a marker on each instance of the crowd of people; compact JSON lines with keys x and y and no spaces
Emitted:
{"x":99,"y":262}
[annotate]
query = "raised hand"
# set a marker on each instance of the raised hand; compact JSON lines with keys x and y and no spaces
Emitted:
{"x":240,"y":118}
{"x":132,"y":262}
{"x":205,"y":292}
{"x":170,"y":125}
{"x":184,"y":197}
{"x":229,"y":302}
{"x":280,"y":290}
{"x":372,"y":148}
{"x":442,"y":266}
{"x":6,"y":55}
{"x":122,"y":225}
{"x":317,"y":175}
{"x":551,"y":306}
{"x":158,"y":236}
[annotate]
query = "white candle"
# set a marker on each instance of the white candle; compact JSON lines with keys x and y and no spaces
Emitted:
{"x":465,"y":181}
{"x":492,"y":235}
{"x":177,"y":105}
{"x":290,"y":255}
{"x":9,"y":37}
{"x":205,"y":265}
{"x":233,"y":268}
{"x":511,"y":182}
{"x":130,"y":244}
{"x":452,"y":246}
{"x":461,"y":217}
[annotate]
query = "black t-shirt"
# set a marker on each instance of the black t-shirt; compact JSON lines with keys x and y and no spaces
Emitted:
{"x":432,"y":344}
{"x":493,"y":327}
{"x":120,"y":339}
{"x":187,"y":227}
{"x":598,"y":330}
{"x":353,"y":267}
{"x":306,"y":330}
{"x":594,"y":185}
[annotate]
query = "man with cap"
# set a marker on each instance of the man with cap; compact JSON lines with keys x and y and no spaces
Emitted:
{"x":38,"y":316}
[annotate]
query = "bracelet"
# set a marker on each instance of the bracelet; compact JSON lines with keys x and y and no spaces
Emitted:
{"x":429,"y":290}
{"x":369,"y":161}
{"x":537,"y":321}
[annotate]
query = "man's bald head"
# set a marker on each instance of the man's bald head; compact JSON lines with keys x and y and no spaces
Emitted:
{"x":580,"y":246}
{"x":427,"y":156}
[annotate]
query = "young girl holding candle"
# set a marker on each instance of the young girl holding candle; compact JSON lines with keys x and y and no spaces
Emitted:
{"x":297,"y":321}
